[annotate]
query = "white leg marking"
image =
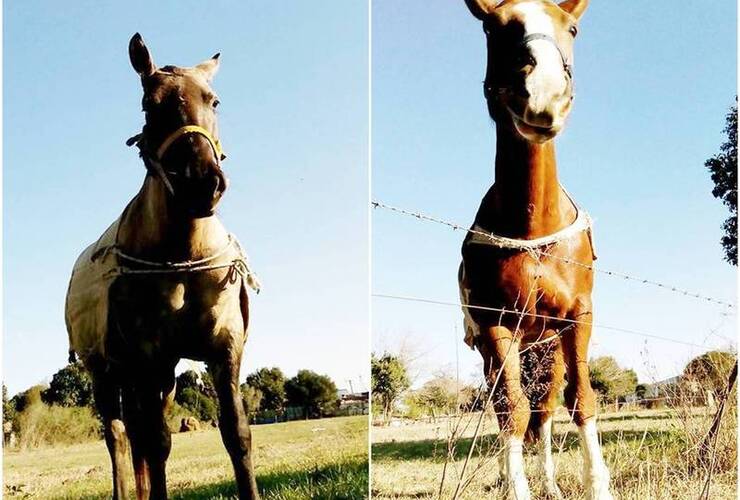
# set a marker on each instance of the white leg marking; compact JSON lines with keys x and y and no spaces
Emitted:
{"x":518,"y":487}
{"x":548,"y":466}
{"x":595,"y":473}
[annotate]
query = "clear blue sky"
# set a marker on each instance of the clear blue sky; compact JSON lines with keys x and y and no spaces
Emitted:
{"x":294,"y":122}
{"x":654,"y":81}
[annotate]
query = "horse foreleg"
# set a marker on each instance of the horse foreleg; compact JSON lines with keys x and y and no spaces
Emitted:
{"x":501,"y":354}
{"x":108,"y":404}
{"x":233,"y":423}
{"x":581,"y":401}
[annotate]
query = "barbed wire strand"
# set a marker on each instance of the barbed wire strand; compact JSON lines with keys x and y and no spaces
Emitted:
{"x":535,"y":315}
{"x":617,"y":274}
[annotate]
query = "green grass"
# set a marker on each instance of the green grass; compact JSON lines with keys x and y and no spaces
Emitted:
{"x":296,"y":460}
{"x":647,"y":452}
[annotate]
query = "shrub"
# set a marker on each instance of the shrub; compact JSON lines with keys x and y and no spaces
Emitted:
{"x":42,"y":425}
{"x":70,"y":386}
{"x":201,"y":406}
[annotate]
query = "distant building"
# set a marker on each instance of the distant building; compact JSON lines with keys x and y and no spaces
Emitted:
{"x":662,"y":389}
{"x":357,"y":403}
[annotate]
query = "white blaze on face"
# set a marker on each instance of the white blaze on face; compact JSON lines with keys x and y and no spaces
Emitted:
{"x":547,"y":81}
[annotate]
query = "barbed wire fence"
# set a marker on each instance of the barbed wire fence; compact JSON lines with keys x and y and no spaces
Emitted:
{"x":496,"y":449}
{"x":543,"y":253}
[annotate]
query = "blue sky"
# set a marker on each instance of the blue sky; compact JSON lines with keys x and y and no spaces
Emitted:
{"x":293,"y":120}
{"x":653,"y":83}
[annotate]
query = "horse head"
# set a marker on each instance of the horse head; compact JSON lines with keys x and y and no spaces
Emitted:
{"x":179,"y":142}
{"x":529,"y":80}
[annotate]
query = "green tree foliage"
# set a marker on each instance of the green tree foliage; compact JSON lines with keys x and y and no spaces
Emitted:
{"x":27,"y":398}
{"x":9,"y":411}
{"x":198,"y":404}
{"x":252,"y":398}
{"x":641,"y":390}
{"x":197,"y":395}
{"x":315,"y":393}
{"x":723,"y":167}
{"x":609,"y":380}
{"x":389,"y":379}
{"x":439,"y":395}
{"x":271,"y":383}
{"x":70,"y":386}
{"x":201,"y":382}
{"x":710,"y":370}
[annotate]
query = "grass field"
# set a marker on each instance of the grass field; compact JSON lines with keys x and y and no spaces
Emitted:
{"x":647,"y":453}
{"x":296,"y":460}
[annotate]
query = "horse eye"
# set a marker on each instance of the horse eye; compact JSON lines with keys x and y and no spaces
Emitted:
{"x":573,"y":30}
{"x":216,"y":102}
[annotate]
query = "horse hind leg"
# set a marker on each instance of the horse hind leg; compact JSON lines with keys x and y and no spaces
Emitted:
{"x":108,"y":403}
{"x":544,"y":369}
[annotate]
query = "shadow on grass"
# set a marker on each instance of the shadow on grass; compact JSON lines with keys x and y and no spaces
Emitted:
{"x":436,"y":450}
{"x":347,"y":480}
{"x":336,"y":481}
{"x":615,"y":417}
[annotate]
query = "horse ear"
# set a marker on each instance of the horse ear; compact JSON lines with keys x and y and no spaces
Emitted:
{"x":209,"y":67}
{"x":140,"y":57}
{"x":575,"y":7}
{"x":481,"y":8}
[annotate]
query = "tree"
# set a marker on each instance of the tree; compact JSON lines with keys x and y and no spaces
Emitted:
{"x":389,"y":379}
{"x":710,"y":370}
{"x":9,"y":411}
{"x":641,"y":390}
{"x":201,"y":406}
{"x":723,"y":167}
{"x":271,"y":383}
{"x":610,"y":380}
{"x":438,"y":394}
{"x":70,"y":386}
{"x":201,"y":382}
{"x":315,"y":393}
{"x":196,"y":393}
{"x":252,"y":398}
{"x":27,"y":398}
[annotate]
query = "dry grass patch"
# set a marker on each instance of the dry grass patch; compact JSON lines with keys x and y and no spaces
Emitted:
{"x":295,"y":460}
{"x":650,"y":455}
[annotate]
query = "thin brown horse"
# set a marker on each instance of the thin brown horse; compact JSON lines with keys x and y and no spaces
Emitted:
{"x":526,"y":267}
{"x":165,"y":282}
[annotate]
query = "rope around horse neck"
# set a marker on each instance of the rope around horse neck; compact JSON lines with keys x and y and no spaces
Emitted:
{"x":185,"y":265}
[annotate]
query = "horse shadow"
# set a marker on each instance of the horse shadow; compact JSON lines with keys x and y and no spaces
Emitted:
{"x":436,"y":450}
{"x":333,"y":481}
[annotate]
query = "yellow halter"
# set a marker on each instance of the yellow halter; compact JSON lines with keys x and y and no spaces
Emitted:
{"x":191,"y":129}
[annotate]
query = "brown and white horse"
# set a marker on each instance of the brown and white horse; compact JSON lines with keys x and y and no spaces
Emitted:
{"x":529,"y":91}
{"x":165,"y":282}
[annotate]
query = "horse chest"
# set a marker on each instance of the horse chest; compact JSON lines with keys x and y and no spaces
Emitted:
{"x":517,"y":282}
{"x":155,"y":313}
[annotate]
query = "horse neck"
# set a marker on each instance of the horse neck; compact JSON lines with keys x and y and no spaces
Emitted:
{"x":151,"y":228}
{"x":527,"y":200}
